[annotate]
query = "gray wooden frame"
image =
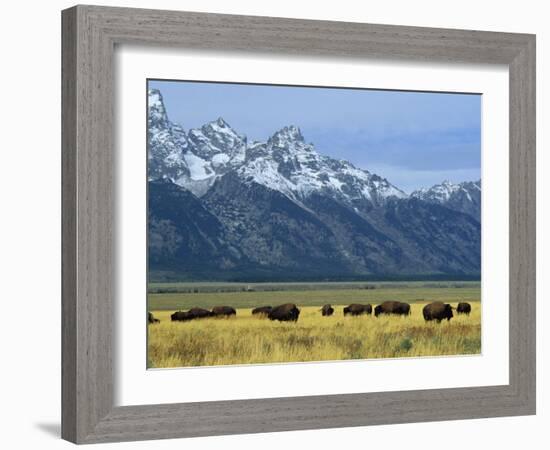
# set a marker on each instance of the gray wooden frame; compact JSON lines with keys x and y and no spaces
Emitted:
{"x":89,"y":37}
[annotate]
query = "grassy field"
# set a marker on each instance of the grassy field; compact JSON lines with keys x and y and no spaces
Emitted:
{"x":245,"y":339}
{"x":218,"y":287}
{"x":315,"y":296}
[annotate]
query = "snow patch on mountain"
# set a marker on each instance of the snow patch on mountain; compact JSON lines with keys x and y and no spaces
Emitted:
{"x":199,"y":169}
{"x":220,"y":159}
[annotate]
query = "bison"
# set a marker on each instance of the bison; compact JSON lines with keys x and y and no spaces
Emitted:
{"x":393,"y":307}
{"x":193,"y":313}
{"x":262,"y":310}
{"x":180,"y":316}
{"x":151,"y":318}
{"x":285,"y":313}
{"x":327,"y":310}
{"x":221,"y":311}
{"x":357,"y":310}
{"x":199,"y":313}
{"x":437,"y":311}
{"x":464,"y":308}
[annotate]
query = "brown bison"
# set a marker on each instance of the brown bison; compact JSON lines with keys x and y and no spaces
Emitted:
{"x":221,"y":311}
{"x":327,"y":310}
{"x":193,"y":313}
{"x":464,"y":308}
{"x":151,"y":318}
{"x":393,"y":307}
{"x":357,"y":310}
{"x":180,"y":316}
{"x":262,"y":310}
{"x":437,"y":311}
{"x":199,"y":313}
{"x":284,"y":313}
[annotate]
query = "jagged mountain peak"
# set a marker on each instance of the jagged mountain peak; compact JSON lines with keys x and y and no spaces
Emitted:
{"x":464,"y":197}
{"x":155,"y":97}
{"x":290,"y":133}
{"x":446,"y":188}
{"x":219,"y":126}
{"x":221,"y":122}
{"x":298,"y":170}
{"x":157,"y":111}
{"x":166,"y":141}
{"x":217,"y":137}
{"x":284,"y":145}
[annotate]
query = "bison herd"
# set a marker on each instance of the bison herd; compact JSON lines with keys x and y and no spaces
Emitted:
{"x":199,"y":313}
{"x":289,"y":312}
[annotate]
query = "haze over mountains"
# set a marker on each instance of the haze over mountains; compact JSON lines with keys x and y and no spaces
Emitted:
{"x":224,"y":208}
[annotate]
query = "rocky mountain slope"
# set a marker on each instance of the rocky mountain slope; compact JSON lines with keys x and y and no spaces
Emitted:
{"x":464,"y":197}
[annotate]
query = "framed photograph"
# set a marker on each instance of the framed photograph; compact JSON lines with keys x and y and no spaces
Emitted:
{"x":267,"y":222}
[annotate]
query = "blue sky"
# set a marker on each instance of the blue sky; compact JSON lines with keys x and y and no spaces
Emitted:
{"x":414,"y":139}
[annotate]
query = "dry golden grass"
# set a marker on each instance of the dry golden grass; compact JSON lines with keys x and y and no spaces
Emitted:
{"x":249,"y":340}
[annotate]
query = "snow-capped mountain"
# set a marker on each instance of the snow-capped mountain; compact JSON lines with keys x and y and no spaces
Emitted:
{"x":288,"y":164}
{"x":221,"y":207}
{"x":285,"y":162}
{"x":167,"y":142}
{"x":192,"y":159}
{"x":464,"y":197}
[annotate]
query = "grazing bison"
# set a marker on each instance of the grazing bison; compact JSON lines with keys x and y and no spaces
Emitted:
{"x":327,"y":310}
{"x":219,"y":311}
{"x":151,"y":318}
{"x":199,"y":313}
{"x":193,"y":313}
{"x":180,"y":316}
{"x":357,"y":310}
{"x":437,"y":311}
{"x":393,"y":307}
{"x":262,"y":310}
{"x":285,"y":313}
{"x":464,"y":308}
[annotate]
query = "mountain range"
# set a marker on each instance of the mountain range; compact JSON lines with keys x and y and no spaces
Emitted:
{"x":221,"y":207}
